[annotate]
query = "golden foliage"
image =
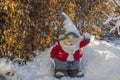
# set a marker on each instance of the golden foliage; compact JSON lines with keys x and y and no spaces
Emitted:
{"x":28,"y":25}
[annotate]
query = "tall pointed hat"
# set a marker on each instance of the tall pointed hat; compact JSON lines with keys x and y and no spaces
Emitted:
{"x":67,"y":27}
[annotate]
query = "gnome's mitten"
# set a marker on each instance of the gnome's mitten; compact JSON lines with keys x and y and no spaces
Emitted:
{"x":87,"y":36}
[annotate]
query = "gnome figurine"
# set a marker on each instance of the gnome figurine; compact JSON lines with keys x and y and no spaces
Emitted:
{"x":67,"y":52}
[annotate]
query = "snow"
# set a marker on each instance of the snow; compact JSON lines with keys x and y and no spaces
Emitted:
{"x":101,"y":61}
{"x":115,"y":2}
{"x":114,"y":42}
{"x":108,"y":20}
{"x":117,"y":42}
{"x":112,"y":17}
{"x":117,"y":24}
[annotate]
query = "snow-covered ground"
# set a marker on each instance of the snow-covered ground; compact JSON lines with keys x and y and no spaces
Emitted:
{"x":101,"y":61}
{"x":115,"y":42}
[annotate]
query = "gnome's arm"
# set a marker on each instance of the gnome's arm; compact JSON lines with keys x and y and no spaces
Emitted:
{"x":86,"y":40}
{"x":54,"y":50}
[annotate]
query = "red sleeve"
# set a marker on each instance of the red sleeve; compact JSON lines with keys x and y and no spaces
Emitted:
{"x":54,"y":50}
{"x":83,"y":43}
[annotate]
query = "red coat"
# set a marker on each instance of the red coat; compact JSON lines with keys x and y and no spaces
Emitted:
{"x":58,"y":53}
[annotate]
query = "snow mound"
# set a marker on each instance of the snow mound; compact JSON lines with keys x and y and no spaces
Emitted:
{"x":101,"y":61}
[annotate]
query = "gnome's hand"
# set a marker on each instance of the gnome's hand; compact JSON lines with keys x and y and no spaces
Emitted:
{"x":87,"y":36}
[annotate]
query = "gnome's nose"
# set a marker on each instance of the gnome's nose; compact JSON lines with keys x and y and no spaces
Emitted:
{"x":71,"y":40}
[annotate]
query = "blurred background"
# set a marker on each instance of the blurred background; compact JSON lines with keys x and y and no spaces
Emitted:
{"x":29,"y":25}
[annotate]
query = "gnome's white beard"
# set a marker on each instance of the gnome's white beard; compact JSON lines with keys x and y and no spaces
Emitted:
{"x":70,"y":49}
